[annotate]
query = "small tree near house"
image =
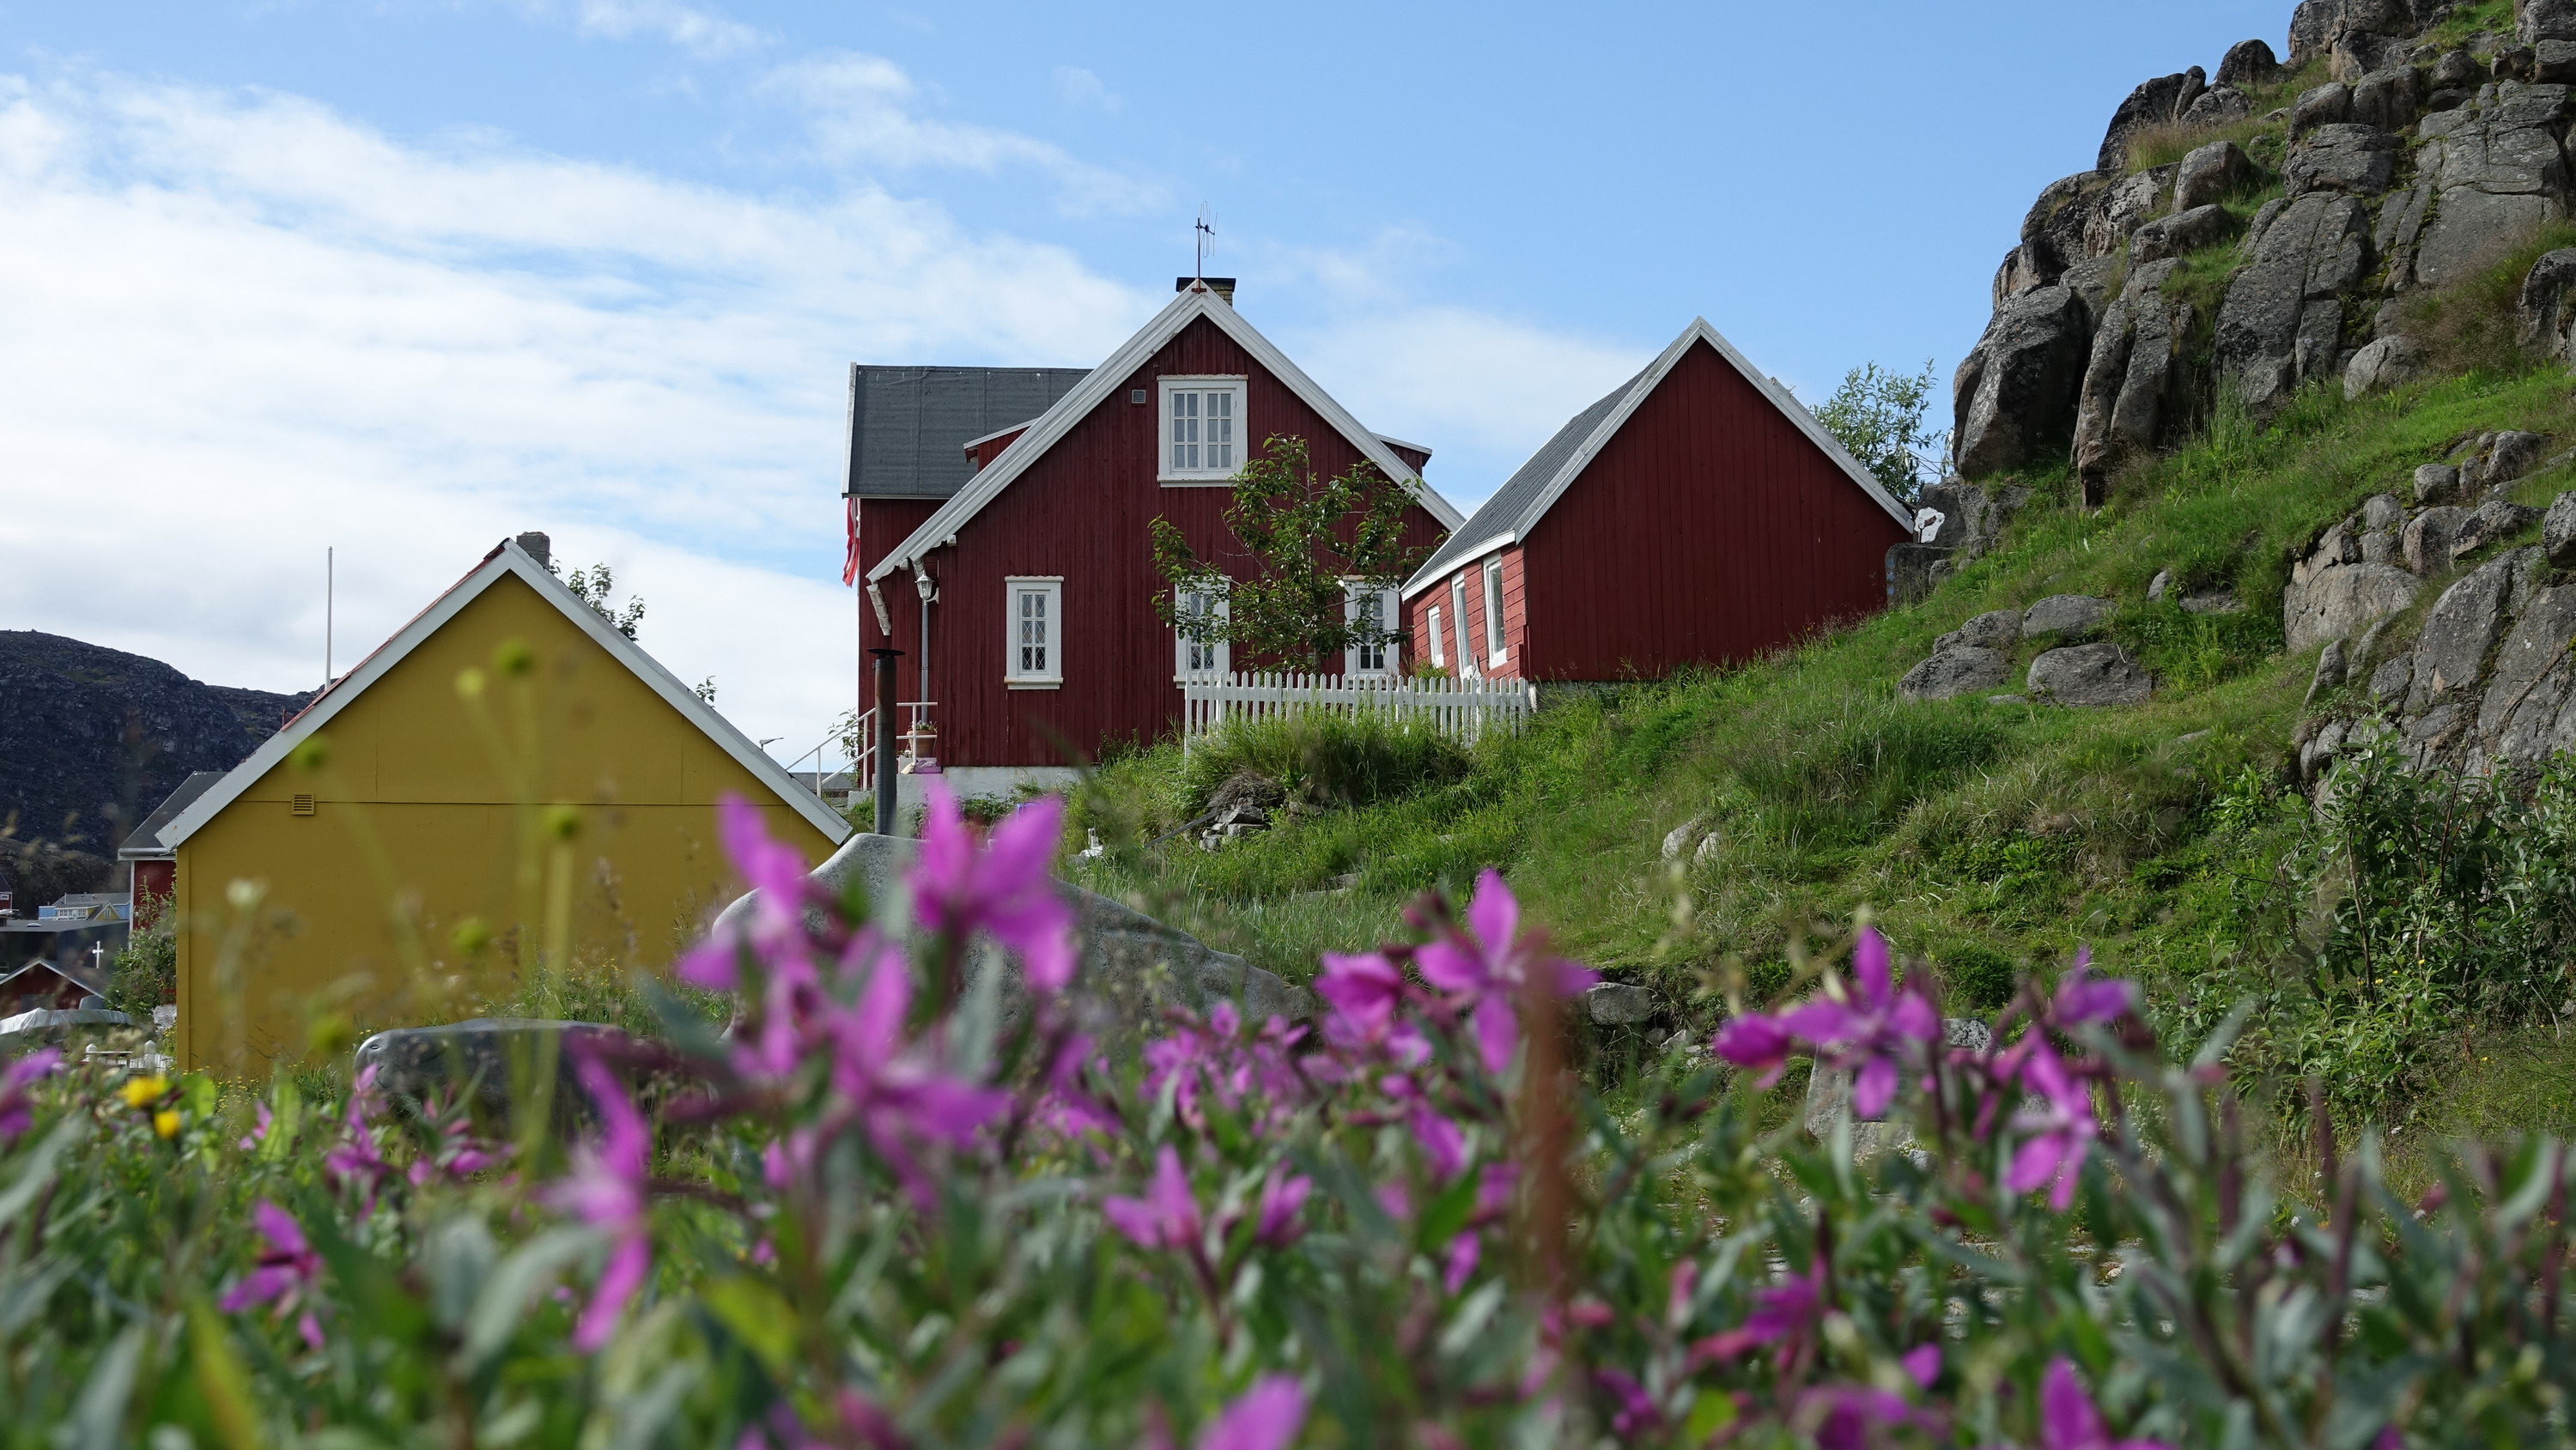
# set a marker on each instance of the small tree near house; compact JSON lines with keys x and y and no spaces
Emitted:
{"x":1310,"y":543}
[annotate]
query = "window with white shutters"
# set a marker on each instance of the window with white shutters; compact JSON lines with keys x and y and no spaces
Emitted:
{"x":1035,"y":644}
{"x":1496,"y":644}
{"x":1202,"y":429}
{"x":1438,"y":655}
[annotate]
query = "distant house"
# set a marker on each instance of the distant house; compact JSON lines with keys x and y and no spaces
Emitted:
{"x":151,"y":864}
{"x":419,"y":820}
{"x":1027,"y":591}
{"x":1696,"y":515}
{"x":51,"y":985}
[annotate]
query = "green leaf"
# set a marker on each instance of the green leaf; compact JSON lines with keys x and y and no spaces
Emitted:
{"x":221,"y":1380}
{"x":504,"y":1300}
{"x":758,"y":1316}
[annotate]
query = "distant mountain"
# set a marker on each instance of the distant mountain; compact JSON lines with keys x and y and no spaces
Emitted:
{"x":92,"y":738}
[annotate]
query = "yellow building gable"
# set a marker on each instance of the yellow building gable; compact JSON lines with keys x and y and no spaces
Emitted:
{"x":396,"y":817}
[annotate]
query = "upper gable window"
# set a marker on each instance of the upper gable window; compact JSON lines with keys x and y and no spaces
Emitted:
{"x":1202,"y":429}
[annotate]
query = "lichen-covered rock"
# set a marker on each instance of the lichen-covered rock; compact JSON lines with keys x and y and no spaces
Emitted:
{"x":2452,"y":651}
{"x":2138,"y":380}
{"x":1618,"y":1004}
{"x":2341,"y":600}
{"x":2527,"y":714}
{"x":2062,"y":614}
{"x":492,"y":1063}
{"x":2543,"y":318}
{"x":2497,"y":459}
{"x":2498,"y":174}
{"x":2558,"y":531}
{"x":1950,"y":673}
{"x":2282,"y":322}
{"x":2211,"y":173}
{"x":2436,"y":483}
{"x":2218,"y":106}
{"x":2382,"y":364}
{"x":2248,"y":63}
{"x":2153,"y":103}
{"x":2125,"y":208}
{"x":2174,"y":236}
{"x":2432,"y":537}
{"x":1995,"y":629}
{"x":2388,"y":99}
{"x":2495,"y":519}
{"x":2357,"y":159}
{"x":2089,"y":676}
{"x":2013,"y":397}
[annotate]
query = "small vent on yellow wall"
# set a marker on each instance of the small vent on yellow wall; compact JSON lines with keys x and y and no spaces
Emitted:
{"x":303,"y":806}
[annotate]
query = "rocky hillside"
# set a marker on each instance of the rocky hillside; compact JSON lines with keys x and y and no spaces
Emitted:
{"x":91,"y":738}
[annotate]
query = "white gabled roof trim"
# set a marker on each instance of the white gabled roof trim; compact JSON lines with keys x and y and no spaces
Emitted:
{"x":1095,"y":389}
{"x":1643,"y":388}
{"x":973,"y":443}
{"x":510,"y":559}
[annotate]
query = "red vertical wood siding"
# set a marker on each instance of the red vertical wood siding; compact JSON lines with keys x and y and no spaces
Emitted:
{"x":1710,"y":529}
{"x":1466,"y":635}
{"x":883,"y":524}
{"x":991,"y":448}
{"x":1082,"y":511}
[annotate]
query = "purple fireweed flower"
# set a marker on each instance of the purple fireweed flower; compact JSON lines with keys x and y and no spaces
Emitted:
{"x":357,"y":1160}
{"x":1363,"y":990}
{"x":1870,"y":1028}
{"x":2068,"y":1419}
{"x":1484,"y":965}
{"x":284,"y":1275}
{"x":2084,"y":997}
{"x":1278,"y":1221}
{"x":1458,"y":1264}
{"x":1922,"y":1364}
{"x":17,"y":1101}
{"x":1755,"y":1041}
{"x":1167,"y":1217}
{"x":1844,"y":1415}
{"x":1264,"y":1417}
{"x":1781,"y":1315}
{"x":897,"y":1092}
{"x":1070,"y":1107}
{"x":2060,"y":1128}
{"x":1443,"y":1143}
{"x":1216,"y":1061}
{"x":776,"y":873}
{"x":1635,"y":1413}
{"x":1003,"y":889}
{"x":259,"y":1131}
{"x":607,"y":1190}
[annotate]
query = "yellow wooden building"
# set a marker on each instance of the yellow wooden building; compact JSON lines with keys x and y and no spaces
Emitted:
{"x":507,"y":779}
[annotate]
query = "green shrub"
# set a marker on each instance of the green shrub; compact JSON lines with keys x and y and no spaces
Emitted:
{"x":1979,"y":979}
{"x":146,"y":974}
{"x":1324,"y":760}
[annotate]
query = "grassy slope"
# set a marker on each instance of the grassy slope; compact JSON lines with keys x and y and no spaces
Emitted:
{"x":1991,"y":840}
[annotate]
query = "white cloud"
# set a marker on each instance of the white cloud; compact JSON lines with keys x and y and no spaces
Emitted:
{"x":1080,"y":87}
{"x":864,"y":111}
{"x":239,"y":327}
{"x":708,"y":34}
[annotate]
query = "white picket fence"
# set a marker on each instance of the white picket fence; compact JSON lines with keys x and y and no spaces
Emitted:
{"x":1462,"y":709}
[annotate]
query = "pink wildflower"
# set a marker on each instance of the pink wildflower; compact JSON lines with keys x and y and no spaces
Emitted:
{"x":777,"y":875}
{"x":1755,"y":1040}
{"x":1004,"y":889}
{"x":357,"y":1160}
{"x":1782,"y":1315}
{"x":1458,"y":1265}
{"x":285,"y":1273}
{"x":1870,"y":1028}
{"x":1485,"y":965}
{"x":2060,"y":1128}
{"x":1443,"y":1143}
{"x":1167,"y":1217}
{"x":896,"y":1090}
{"x":1278,"y":1221}
{"x":1264,"y":1417}
{"x":607,"y":1189}
{"x":1635,"y":1413}
{"x":2068,"y":1419}
{"x":1363,"y":989}
{"x":1844,"y":1415}
{"x":2084,"y":997}
{"x":17,"y":1101}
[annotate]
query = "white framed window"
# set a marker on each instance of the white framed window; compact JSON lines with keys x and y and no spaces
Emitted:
{"x":1466,"y":642}
{"x":1496,"y":645}
{"x":1201,"y":656}
{"x":1034,"y":646}
{"x":1202,"y":432}
{"x":1371,"y":613}
{"x":1431,"y":619}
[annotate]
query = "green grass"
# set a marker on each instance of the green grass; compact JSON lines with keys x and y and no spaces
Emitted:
{"x":1988,"y":840}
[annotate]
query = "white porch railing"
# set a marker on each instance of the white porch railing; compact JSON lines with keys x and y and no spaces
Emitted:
{"x":854,"y":741}
{"x":1461,"y":709}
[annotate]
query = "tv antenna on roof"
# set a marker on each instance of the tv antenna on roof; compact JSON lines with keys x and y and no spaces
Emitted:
{"x":1205,"y":228}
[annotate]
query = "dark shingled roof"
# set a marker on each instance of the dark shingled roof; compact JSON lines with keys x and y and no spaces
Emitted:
{"x":1526,"y":484}
{"x":146,"y":839}
{"x":909,"y":426}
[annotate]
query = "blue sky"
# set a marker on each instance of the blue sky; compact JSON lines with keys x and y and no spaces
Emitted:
{"x":401,"y":277}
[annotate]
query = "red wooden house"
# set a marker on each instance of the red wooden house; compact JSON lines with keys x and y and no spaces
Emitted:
{"x":1697,"y":515}
{"x":1024,"y":599}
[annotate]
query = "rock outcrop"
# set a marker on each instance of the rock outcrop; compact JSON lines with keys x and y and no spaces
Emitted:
{"x":2283,"y":321}
{"x":2138,"y":381}
{"x":2016,"y":390}
{"x":2088,"y":675}
{"x":2544,"y":322}
{"x":2157,"y":102}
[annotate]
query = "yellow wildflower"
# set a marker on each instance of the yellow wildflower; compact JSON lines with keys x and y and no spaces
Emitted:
{"x":144,"y":1091}
{"x":166,"y":1122}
